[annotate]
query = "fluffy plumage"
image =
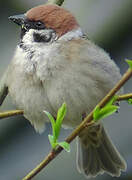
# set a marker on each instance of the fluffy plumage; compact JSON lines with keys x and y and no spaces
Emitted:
{"x":65,"y":68}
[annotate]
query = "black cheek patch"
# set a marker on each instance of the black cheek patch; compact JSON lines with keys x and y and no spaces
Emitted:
{"x":39,"y":38}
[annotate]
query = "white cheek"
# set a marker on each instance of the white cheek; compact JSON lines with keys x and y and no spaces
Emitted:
{"x":28,"y":37}
{"x":42,"y":56}
{"x":19,"y":56}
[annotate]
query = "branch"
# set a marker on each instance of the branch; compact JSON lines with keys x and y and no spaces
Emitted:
{"x":10,"y":113}
{"x":124,"y":97}
{"x":58,"y":2}
{"x":88,"y":121}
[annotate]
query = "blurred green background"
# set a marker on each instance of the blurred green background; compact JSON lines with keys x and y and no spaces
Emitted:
{"x":109,"y":24}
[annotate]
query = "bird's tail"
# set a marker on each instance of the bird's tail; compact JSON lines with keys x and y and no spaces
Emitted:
{"x":96,"y":153}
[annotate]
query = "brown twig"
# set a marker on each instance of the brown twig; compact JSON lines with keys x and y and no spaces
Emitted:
{"x":87,"y":122}
{"x":11,"y":113}
{"x":124,"y":97}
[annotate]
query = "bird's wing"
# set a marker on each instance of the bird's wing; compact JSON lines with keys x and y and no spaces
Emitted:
{"x":3,"y":88}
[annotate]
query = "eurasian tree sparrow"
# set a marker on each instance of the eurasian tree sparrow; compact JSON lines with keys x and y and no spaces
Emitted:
{"x":55,"y":63}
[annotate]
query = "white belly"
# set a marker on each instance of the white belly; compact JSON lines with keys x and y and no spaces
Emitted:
{"x":45,"y":83}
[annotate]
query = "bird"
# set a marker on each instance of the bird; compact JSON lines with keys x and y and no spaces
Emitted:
{"x":55,"y":62}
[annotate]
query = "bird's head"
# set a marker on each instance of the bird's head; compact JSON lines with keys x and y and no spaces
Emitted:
{"x":45,"y":22}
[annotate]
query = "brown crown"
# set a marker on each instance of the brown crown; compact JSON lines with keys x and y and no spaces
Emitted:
{"x":54,"y":17}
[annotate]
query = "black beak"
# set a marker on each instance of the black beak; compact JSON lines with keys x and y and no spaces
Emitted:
{"x":18,"y":19}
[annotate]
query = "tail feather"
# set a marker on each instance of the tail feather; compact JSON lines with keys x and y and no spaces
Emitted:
{"x":113,"y":153}
{"x":99,"y":156}
{"x":107,"y":164}
{"x":93,"y":168}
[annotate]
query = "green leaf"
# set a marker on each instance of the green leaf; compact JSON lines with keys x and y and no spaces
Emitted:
{"x":129,"y":63}
{"x":65,"y":146}
{"x":52,"y":120}
{"x":60,"y":116}
{"x":130,"y":101}
{"x":96,"y":113}
{"x":56,"y":125}
{"x":108,"y":110}
{"x":112,"y":100}
{"x":104,"y":112}
{"x":52,"y":142}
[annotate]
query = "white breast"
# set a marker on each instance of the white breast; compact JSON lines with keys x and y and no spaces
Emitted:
{"x":25,"y":83}
{"x":49,"y":78}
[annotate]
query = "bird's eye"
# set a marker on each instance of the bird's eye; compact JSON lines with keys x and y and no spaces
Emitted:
{"x":39,"y":25}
